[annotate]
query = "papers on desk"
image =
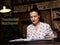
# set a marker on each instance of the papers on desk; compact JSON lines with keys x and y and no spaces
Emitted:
{"x":19,"y":40}
{"x":16,"y":40}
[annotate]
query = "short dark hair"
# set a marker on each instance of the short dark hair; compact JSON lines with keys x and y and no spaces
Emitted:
{"x":36,"y":10}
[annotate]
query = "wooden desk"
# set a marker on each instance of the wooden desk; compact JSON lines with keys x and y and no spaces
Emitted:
{"x":37,"y":42}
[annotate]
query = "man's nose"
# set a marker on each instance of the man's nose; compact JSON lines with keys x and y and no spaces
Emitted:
{"x":33,"y":18}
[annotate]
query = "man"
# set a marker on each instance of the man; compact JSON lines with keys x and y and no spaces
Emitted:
{"x":38,"y":30}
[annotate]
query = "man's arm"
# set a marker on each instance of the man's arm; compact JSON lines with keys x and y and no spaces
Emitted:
{"x":50,"y":34}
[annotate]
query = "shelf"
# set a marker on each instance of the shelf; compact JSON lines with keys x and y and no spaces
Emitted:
{"x":9,"y":21}
{"x":31,"y":2}
{"x":40,"y":10}
{"x":56,"y":19}
{"x":58,"y":13}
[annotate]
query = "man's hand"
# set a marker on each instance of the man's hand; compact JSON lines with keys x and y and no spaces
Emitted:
{"x":47,"y":37}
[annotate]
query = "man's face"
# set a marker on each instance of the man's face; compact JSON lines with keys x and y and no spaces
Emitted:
{"x":34,"y":17}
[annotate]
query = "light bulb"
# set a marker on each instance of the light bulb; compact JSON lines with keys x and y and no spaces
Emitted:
{"x":4,"y":7}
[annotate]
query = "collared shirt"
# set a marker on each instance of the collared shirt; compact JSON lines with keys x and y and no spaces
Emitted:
{"x":43,"y":30}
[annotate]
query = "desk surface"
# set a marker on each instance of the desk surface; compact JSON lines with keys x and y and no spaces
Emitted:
{"x":36,"y":42}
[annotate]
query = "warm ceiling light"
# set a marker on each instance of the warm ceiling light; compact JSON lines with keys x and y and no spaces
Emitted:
{"x":5,"y":10}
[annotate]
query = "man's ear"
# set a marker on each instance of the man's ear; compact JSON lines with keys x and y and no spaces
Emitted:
{"x":39,"y":16}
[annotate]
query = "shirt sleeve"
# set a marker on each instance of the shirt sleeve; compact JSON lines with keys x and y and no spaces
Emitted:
{"x":50,"y":32}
